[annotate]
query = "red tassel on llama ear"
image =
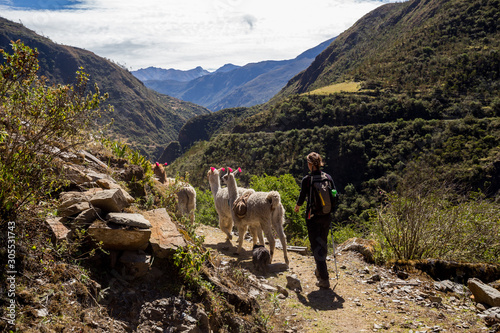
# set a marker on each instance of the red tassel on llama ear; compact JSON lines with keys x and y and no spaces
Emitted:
{"x":223,"y":169}
{"x":230,"y":170}
{"x":166,"y":164}
{"x":157,"y":164}
{"x":212,"y":168}
{"x":239,"y":170}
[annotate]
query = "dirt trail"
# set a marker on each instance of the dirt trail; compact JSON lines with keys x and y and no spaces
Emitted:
{"x":352,"y":304}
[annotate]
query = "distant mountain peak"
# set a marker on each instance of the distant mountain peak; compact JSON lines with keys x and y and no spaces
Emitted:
{"x":161,"y":74}
{"x":227,"y":68}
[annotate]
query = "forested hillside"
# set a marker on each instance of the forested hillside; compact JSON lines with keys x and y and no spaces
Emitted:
{"x":428,"y":77}
{"x":142,"y":117}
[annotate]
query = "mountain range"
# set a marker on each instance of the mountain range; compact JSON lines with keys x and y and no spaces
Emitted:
{"x":229,"y":86}
{"x":147,"y":120}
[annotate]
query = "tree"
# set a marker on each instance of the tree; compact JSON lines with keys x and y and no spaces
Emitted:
{"x":38,"y":125}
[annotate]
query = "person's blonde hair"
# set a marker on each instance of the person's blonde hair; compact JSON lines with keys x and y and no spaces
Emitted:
{"x":315,"y":159}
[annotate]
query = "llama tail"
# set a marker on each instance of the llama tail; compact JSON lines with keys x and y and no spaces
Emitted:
{"x":278,"y":215}
{"x":274,"y":199}
{"x":191,"y":194}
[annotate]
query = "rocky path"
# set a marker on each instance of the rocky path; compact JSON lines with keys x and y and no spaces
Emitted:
{"x":365,"y":298}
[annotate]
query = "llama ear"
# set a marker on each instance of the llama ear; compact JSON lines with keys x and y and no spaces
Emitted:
{"x":239,"y":170}
{"x":157,"y":164}
{"x":212,"y":168}
{"x":222,"y":169}
{"x":230,"y":170}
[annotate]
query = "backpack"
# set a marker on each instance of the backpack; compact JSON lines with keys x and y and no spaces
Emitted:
{"x":322,"y":199}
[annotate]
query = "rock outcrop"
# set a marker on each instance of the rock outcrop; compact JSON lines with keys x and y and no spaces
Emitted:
{"x":98,"y":206}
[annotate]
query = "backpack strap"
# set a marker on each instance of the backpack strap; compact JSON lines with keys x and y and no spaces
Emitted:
{"x":309,"y":199}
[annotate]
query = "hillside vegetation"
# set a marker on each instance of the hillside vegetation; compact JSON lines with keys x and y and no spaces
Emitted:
{"x":429,"y":78}
{"x":142,"y":117}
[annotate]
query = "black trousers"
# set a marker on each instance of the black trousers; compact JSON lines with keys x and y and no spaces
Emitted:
{"x":317,"y":228}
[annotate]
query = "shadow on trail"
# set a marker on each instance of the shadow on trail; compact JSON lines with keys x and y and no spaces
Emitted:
{"x":323,"y":299}
{"x":244,"y":259}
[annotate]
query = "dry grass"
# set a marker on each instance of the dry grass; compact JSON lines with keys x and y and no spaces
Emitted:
{"x":337,"y":88}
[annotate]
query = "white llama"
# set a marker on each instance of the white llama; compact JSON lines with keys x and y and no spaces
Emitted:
{"x":264,"y":209}
{"x":186,"y":195}
{"x":221,"y":200}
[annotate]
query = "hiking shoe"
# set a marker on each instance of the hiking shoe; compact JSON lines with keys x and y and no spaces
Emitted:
{"x":323,"y":284}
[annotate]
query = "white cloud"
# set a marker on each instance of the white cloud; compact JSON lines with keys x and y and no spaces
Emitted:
{"x":189,"y":33}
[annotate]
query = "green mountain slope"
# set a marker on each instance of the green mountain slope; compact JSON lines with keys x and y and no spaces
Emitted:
{"x":429,"y":77}
{"x":427,"y":59}
{"x":144,"y":118}
{"x":415,"y":46}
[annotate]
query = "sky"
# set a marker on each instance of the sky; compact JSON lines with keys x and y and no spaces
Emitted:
{"x":184,"y":34}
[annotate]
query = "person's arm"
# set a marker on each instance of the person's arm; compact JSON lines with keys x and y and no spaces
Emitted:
{"x":302,"y":195}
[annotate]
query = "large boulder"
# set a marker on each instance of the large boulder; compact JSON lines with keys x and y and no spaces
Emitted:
{"x":128,"y":219}
{"x":74,"y":209}
{"x":110,"y":200}
{"x":67,"y":199}
{"x":483,"y":293}
{"x":165,"y":237}
{"x":116,"y":237}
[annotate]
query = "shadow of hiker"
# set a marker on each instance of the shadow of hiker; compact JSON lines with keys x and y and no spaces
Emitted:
{"x":323,"y":299}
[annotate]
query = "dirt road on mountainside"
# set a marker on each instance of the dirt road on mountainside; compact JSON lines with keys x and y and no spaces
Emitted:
{"x":357,"y":302}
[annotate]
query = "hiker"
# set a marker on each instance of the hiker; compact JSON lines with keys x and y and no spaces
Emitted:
{"x":318,"y":223}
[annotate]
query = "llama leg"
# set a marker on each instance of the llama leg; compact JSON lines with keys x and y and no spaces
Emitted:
{"x":261,"y":236}
{"x":257,"y":234}
{"x":270,"y":238}
{"x":241,"y":231}
{"x":226,"y":225}
{"x":277,"y":217}
{"x":272,"y":244}
{"x":282,"y":237}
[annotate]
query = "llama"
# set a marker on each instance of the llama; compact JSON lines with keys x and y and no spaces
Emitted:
{"x":221,"y":200}
{"x":186,"y":195}
{"x":264,"y":209}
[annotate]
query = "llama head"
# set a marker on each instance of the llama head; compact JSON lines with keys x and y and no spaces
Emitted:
{"x":157,"y":167}
{"x":159,"y":172}
{"x":230,"y":175}
{"x":212,"y":172}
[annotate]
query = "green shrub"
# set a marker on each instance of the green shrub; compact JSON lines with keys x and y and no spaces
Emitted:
{"x":343,"y":233}
{"x":38,"y":124}
{"x":426,"y":218}
{"x":295,"y":227}
{"x":205,"y":208}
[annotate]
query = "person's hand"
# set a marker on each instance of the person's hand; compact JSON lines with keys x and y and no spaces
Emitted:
{"x":296,"y":209}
